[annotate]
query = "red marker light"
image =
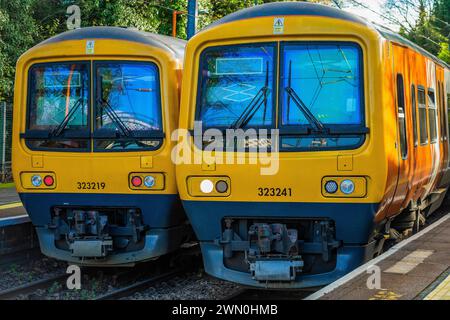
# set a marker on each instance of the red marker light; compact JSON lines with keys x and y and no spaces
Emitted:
{"x":136,"y":181}
{"x":49,"y":181}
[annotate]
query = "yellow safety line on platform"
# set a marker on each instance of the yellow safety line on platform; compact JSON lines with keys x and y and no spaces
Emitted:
{"x":10,"y":205}
{"x":442,"y":291}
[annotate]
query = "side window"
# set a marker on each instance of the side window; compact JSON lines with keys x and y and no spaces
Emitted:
{"x":448,"y":110}
{"x":432,"y":116}
{"x":439,"y":109}
{"x":423,"y":124}
{"x":443,"y":113}
{"x":401,"y":116}
{"x":414,"y":114}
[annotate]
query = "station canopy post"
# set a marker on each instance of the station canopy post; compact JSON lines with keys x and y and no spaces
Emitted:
{"x":192,"y":18}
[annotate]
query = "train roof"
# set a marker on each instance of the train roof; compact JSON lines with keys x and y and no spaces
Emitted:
{"x":395,"y":37}
{"x":289,"y":9}
{"x":313,"y":9}
{"x":173,"y":45}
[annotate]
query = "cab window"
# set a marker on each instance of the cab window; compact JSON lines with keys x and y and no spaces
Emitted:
{"x":58,"y":106}
{"x":321,"y":96}
{"x":236,"y":86}
{"x":127,"y":106}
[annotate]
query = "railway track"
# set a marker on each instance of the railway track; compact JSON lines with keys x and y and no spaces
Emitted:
{"x":19,"y":257}
{"x":140,"y":285}
{"x":238,"y":295}
{"x":145,"y":278}
{"x":129,"y":282}
{"x":106,"y":283}
{"x":29,"y":288}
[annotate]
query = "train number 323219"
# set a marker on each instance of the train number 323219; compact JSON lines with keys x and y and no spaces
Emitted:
{"x":91,"y":185}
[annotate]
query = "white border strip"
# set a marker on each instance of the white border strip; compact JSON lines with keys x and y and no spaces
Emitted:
{"x":318,"y":294}
{"x":9,"y":221}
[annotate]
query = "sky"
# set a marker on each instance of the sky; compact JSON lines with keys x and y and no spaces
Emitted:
{"x":373,"y":5}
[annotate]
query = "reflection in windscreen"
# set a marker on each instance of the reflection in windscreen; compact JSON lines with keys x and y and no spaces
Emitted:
{"x":233,"y":79}
{"x":59,"y":98}
{"x":128,"y":103}
{"x":56,"y":89}
{"x":132,"y":92}
{"x":327,"y":78}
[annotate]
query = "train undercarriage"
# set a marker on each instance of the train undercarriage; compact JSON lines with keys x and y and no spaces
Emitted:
{"x":95,"y":233}
{"x":279,"y":250}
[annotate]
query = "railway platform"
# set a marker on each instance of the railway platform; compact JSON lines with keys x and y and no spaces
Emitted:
{"x":10,"y":207}
{"x":8,"y":195}
{"x":16,"y":230}
{"x":417,"y":268}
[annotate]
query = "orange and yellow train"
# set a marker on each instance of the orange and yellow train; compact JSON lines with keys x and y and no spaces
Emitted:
{"x":357,"y":149}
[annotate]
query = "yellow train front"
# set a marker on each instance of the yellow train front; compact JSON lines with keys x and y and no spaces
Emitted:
{"x":93,"y":112}
{"x":306,"y":140}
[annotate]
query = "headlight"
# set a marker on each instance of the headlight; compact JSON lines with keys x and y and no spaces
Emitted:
{"x":36,"y":181}
{"x":331,"y":186}
{"x":149,"y":181}
{"x":206,"y":186}
{"x":347,"y":186}
{"x":221,"y":186}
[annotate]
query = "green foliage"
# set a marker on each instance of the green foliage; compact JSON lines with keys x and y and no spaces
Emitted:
{"x":424,"y":33}
{"x":17,"y":34}
{"x":24,"y":23}
{"x":220,"y":8}
{"x":441,"y":17}
{"x":431,"y":30}
{"x":444,"y":53}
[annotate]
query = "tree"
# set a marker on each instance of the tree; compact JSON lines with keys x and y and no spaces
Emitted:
{"x":24,"y":23}
{"x":441,"y":17}
{"x":425,"y":22}
{"x":18,"y":32}
{"x":441,"y":21}
{"x":444,"y":53}
{"x":220,"y":8}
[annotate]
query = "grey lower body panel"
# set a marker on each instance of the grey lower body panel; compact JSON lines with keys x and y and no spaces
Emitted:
{"x":158,"y":242}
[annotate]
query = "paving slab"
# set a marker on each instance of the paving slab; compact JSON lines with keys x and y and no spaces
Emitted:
{"x":8,"y":195}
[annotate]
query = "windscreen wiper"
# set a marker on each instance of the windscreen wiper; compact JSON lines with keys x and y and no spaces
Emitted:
{"x":251,"y":109}
{"x":254,"y":105}
{"x":304,"y":109}
{"x":56,"y":132}
{"x":114,"y":117}
{"x":301,"y":105}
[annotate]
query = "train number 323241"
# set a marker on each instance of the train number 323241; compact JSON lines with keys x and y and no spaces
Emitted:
{"x":274,"y":192}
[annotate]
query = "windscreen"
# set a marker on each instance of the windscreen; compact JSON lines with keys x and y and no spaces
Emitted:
{"x":58,"y":99}
{"x":237,"y":86}
{"x":127,"y":105}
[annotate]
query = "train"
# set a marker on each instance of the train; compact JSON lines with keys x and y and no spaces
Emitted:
{"x":309,"y":139}
{"x":93,"y":112}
